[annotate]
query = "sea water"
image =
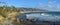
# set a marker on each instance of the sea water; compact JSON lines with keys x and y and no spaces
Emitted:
{"x":45,"y":16}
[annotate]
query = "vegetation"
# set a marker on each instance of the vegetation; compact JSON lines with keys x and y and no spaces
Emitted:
{"x":9,"y":9}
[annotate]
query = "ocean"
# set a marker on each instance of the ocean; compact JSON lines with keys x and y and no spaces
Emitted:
{"x":42,"y":16}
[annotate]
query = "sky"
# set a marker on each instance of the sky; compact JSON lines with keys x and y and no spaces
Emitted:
{"x":52,"y":5}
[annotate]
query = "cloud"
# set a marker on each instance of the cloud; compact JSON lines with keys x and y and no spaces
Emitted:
{"x":50,"y":2}
{"x":40,"y":4}
{"x":49,"y":6}
{"x":54,"y":1}
{"x":58,"y":7}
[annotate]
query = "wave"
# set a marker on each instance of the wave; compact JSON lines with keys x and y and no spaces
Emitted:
{"x":42,"y":16}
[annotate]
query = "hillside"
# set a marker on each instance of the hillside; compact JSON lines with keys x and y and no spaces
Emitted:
{"x":5,"y":10}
